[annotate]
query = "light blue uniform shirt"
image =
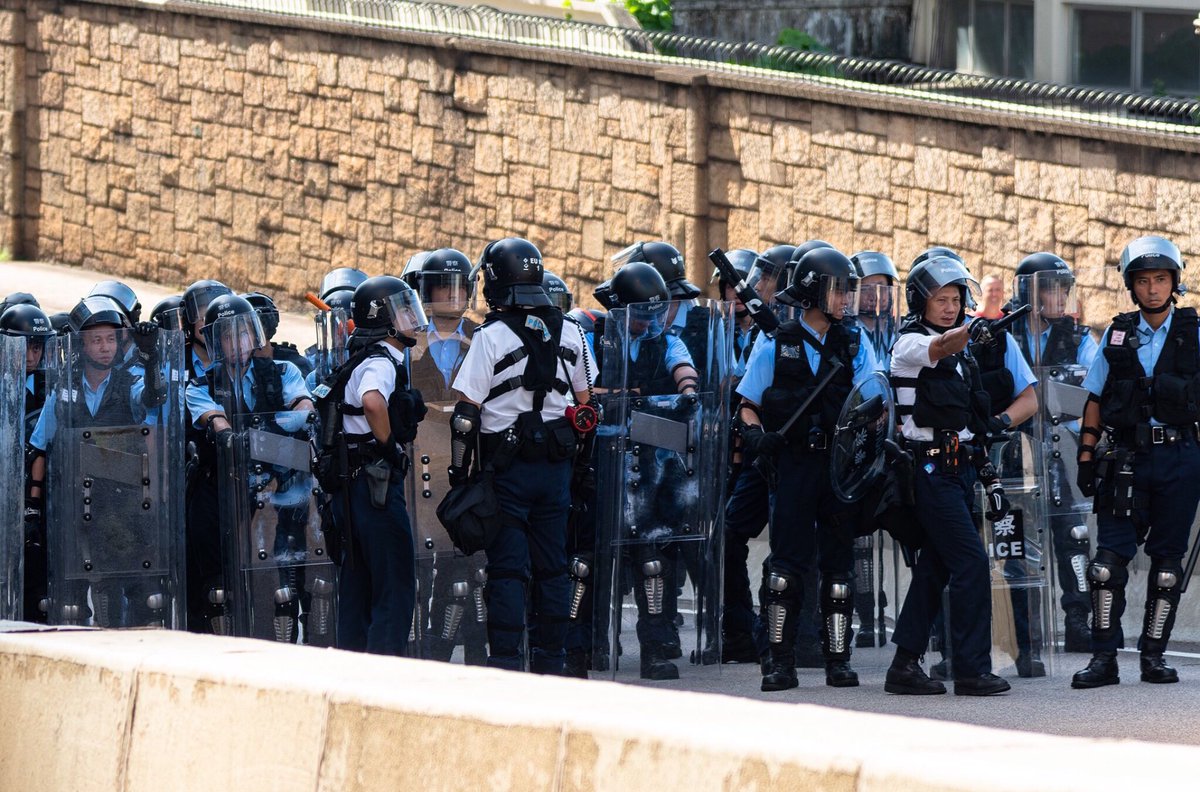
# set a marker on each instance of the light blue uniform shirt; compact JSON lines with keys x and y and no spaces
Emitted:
{"x":1150,"y":346}
{"x":445,"y":349}
{"x":47,"y":423}
{"x":200,"y":401}
{"x":760,"y":371}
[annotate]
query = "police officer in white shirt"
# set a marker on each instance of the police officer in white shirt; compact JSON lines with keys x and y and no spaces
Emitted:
{"x":524,"y":365}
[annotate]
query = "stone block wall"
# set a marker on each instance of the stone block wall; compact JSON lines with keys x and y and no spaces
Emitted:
{"x":147,"y":141}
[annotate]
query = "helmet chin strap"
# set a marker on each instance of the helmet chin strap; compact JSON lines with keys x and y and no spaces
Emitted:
{"x":1166,"y":306}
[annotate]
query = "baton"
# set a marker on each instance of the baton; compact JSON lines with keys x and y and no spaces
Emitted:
{"x":757,"y":309}
{"x":765,"y":467}
{"x":988,"y":329}
{"x":321,"y":305}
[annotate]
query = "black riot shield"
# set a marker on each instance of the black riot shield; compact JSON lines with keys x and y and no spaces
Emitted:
{"x":12,"y":475}
{"x":450,"y":605}
{"x":281,"y":582}
{"x":868,"y":419}
{"x":660,"y":473}
{"x":115,"y":488}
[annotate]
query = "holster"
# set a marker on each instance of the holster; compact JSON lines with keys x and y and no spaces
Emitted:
{"x":379,"y":477}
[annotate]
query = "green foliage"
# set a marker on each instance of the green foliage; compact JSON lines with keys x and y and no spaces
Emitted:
{"x":651,"y":14}
{"x":798,"y":39}
{"x":5,"y":254}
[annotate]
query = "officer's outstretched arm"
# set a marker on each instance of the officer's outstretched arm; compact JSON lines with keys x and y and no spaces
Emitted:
{"x":1023,"y":407}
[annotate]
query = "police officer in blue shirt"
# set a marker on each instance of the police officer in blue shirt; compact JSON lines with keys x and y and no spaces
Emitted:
{"x":264,"y":386}
{"x":1142,"y":390}
{"x":781,"y":375}
{"x":515,"y":382}
{"x":946,"y":414}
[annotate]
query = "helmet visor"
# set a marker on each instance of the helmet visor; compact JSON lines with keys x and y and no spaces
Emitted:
{"x":407,"y":314}
{"x":764,"y":278}
{"x":878,"y":300}
{"x":1148,"y":253}
{"x":444,"y":292}
{"x":943,"y":271}
{"x":838,"y":297}
{"x":232,"y":340}
{"x":1052,"y":295}
{"x":195,"y":302}
{"x":631,"y":253}
{"x":341,"y":278}
{"x":333,"y":334}
{"x":644,"y":321}
{"x":561,"y":300}
{"x":171,"y":319}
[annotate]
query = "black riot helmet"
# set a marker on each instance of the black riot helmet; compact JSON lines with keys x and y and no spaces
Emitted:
{"x":1057,"y":271}
{"x":342,"y":298}
{"x":669,"y":262}
{"x":636,"y":282}
{"x":168,"y":313}
{"x":196,"y":299}
{"x":870,"y":262}
{"x":768,"y":270}
{"x":447,"y":270}
{"x":798,"y":252}
{"x":1151,"y":253}
{"x":557,"y":291}
{"x":268,"y":313}
{"x":935,"y":252}
{"x":30,"y":322}
{"x":232,"y":330}
{"x":96,"y":312}
{"x":743,"y":260}
{"x":825,"y":279}
{"x":122,"y":295}
{"x":389,"y":307}
{"x":61,"y":322}
{"x":931,"y":274}
{"x":18,"y":298}
{"x":512,"y":274}
{"x":341,"y":279}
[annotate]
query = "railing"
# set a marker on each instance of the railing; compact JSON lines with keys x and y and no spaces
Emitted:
{"x":1120,"y":109}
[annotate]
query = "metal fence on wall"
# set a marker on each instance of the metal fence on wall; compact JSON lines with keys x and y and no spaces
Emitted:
{"x":1115,"y":109}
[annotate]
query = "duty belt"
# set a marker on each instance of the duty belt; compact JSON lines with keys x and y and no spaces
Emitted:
{"x":932,"y":450}
{"x":361,"y":454}
{"x":1144,"y":435}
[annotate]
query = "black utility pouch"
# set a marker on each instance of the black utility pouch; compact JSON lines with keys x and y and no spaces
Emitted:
{"x":379,"y":476}
{"x":948,"y":452}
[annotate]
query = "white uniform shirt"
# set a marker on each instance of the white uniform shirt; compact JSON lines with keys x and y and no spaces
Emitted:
{"x":492,"y":342}
{"x":909,"y":356}
{"x":373,"y":374}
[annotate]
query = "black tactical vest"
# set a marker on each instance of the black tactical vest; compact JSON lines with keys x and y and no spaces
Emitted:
{"x":648,"y":374}
{"x":114,"y":409}
{"x":1171,"y":394}
{"x":287,"y":352}
{"x":945,"y":399}
{"x":996,"y":378}
{"x":35,"y":400}
{"x":694,"y":335}
{"x":795,"y":380}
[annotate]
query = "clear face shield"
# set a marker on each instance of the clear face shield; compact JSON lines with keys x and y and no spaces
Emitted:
{"x":35,"y":353}
{"x":764,"y":279}
{"x":623,"y":257}
{"x":646,"y":321}
{"x":878,"y":301}
{"x":447,"y":294}
{"x":196,"y":303}
{"x":333,"y":334}
{"x":100,"y":345}
{"x":838,"y":297}
{"x":943,"y":271}
{"x":560,"y":299}
{"x":1053,"y":296}
{"x":406,"y":312}
{"x":233,"y":340}
{"x":172,"y":319}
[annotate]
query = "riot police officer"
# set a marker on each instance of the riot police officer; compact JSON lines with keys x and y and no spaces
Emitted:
{"x":1142,"y":395}
{"x":523,"y":363}
{"x":268,"y":316}
{"x":31,"y":322}
{"x":1057,"y":345}
{"x":877,"y":315}
{"x":378,"y":581}
{"x":558,"y":291}
{"x":340,"y":279}
{"x":818,"y":355}
{"x":946,"y":414}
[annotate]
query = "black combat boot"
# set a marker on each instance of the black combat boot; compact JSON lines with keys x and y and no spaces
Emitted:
{"x":1101,"y":670}
{"x":1029,"y":666}
{"x":779,"y":671}
{"x":1077,"y":637}
{"x":838,"y":673}
{"x":905,"y":677}
{"x":1156,"y":670}
{"x":655,"y":664}
{"x":576,"y":664}
{"x":982,"y":685}
{"x":738,"y":648}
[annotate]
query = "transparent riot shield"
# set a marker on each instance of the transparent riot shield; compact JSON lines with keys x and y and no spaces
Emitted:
{"x":1060,"y":358}
{"x":661,"y":468}
{"x":114,"y":482}
{"x":450,"y":607}
{"x":12,"y":475}
{"x":333,"y":332}
{"x":866,"y":422}
{"x":281,"y":581}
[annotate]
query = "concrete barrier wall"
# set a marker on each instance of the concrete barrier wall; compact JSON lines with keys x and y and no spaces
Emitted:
{"x":148,"y":711}
{"x":148,"y":139}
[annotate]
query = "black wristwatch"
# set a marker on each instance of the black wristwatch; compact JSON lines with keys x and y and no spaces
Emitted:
{"x":1005,"y":419}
